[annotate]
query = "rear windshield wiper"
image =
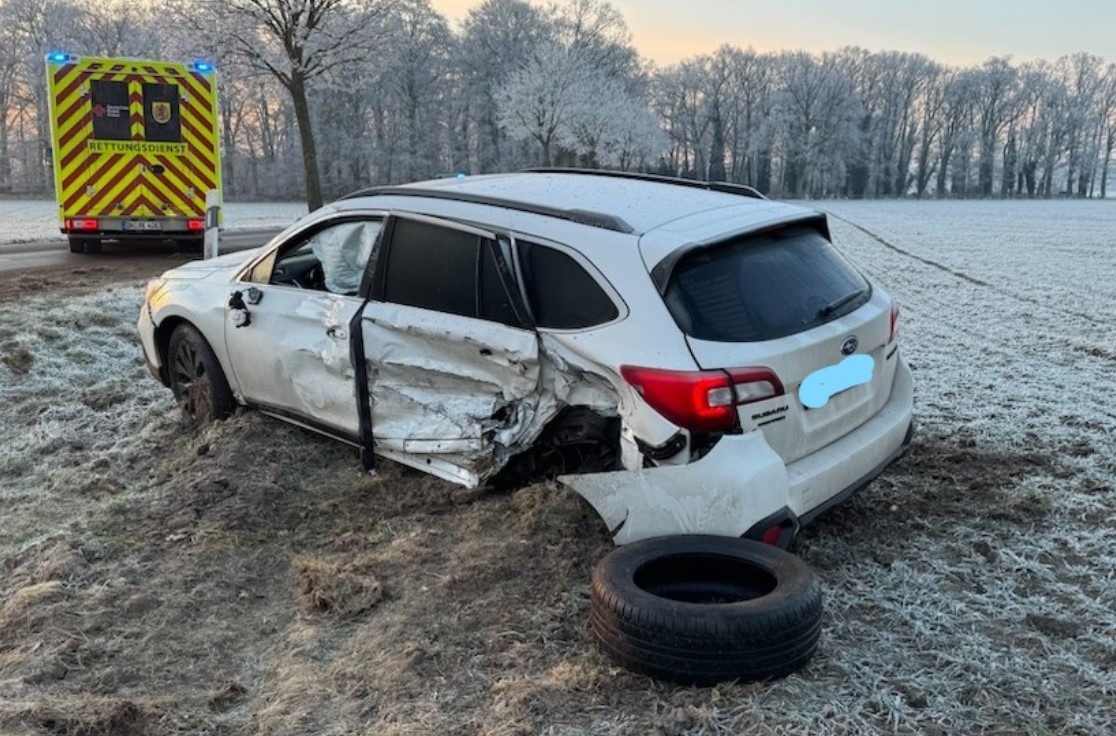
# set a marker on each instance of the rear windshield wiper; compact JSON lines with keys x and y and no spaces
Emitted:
{"x":833,"y":306}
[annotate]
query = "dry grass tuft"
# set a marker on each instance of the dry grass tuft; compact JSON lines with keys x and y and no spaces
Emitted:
{"x":344,"y":590}
{"x":17,"y":357}
{"x":27,"y":602}
{"x":94,"y":717}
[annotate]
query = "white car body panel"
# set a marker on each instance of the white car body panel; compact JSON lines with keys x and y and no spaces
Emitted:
{"x":797,"y":431}
{"x":739,"y":483}
{"x":294,"y":355}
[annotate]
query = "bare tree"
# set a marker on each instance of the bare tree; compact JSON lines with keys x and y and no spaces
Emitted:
{"x":296,"y":42}
{"x":1108,"y":118}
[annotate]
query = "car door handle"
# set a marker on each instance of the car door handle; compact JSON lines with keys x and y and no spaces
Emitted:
{"x":338,"y":333}
{"x":485,"y":351}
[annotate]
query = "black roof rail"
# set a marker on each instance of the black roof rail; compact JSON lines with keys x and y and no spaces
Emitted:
{"x":583,"y":217}
{"x":725,"y":187}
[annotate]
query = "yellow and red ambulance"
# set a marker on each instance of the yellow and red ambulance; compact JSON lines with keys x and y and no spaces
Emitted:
{"x":135,"y":149}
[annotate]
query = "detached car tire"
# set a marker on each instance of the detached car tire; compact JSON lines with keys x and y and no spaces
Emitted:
{"x":196,"y":379}
{"x":703,"y":609}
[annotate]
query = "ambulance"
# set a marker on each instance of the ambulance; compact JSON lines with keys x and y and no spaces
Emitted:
{"x":135,"y":149}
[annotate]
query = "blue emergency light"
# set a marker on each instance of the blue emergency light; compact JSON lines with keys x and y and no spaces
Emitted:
{"x":203,"y":66}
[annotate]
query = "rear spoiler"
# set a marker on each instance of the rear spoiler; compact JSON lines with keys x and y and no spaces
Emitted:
{"x":664,"y":269}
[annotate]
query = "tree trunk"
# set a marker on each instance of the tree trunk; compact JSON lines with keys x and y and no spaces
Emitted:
{"x":297,"y":89}
{"x":1107,"y":162}
{"x":716,"y":171}
{"x":228,"y":150}
{"x":5,"y":162}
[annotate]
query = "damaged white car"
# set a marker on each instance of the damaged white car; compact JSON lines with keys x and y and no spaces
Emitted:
{"x":674,"y":351}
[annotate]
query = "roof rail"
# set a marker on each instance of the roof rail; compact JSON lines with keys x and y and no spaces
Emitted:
{"x":725,"y":187}
{"x":583,"y":217}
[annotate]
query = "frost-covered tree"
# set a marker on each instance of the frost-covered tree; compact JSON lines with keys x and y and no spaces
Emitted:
{"x":539,"y":101}
{"x":819,"y":114}
{"x":34,"y":28}
{"x":609,"y":126}
{"x":295,"y":41}
{"x":499,"y":39}
{"x":1108,"y":125}
{"x":121,"y":28}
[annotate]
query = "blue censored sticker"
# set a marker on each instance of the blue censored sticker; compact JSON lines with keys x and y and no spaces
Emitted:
{"x":821,"y":385}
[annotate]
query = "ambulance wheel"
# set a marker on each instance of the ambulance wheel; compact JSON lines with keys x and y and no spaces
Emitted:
{"x":84,"y":245}
{"x":189,"y":245}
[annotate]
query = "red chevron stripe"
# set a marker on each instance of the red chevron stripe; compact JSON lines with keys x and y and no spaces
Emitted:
{"x":203,"y":179}
{"x":142,"y":201}
{"x":68,"y":136}
{"x":106,"y":164}
{"x":70,"y":157}
{"x":79,"y":106}
{"x":68,"y":185}
{"x":206,"y":144}
{"x":200,"y":184}
{"x":198,"y":107}
{"x":103,"y":191}
{"x":73,"y":85}
{"x":199,"y":94}
{"x":200,"y":128}
{"x":69,"y":182}
{"x":190,"y":207}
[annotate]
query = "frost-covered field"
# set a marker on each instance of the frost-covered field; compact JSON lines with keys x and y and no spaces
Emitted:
{"x":249,"y":580}
{"x":24,"y":220}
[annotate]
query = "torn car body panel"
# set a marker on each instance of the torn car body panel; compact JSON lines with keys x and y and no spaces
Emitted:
{"x":458,"y":397}
{"x":743,"y":481}
{"x":448,"y":386}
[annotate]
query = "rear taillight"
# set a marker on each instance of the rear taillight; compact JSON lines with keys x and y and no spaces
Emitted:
{"x":702,"y":401}
{"x":195,"y":226}
{"x":80,"y":223}
{"x":894,"y":322}
{"x":771,"y":536}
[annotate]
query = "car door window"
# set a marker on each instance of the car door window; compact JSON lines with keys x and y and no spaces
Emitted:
{"x":433,"y":267}
{"x":330,"y":259}
{"x":562,"y":294}
{"x":343,"y":252}
{"x":495,"y":300}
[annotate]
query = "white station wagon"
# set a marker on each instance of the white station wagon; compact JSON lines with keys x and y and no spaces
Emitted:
{"x":690,"y":357}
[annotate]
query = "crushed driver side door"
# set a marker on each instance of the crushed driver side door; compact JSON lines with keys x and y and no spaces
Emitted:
{"x":452,"y":362}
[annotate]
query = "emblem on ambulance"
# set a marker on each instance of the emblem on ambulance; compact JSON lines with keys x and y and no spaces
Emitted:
{"x":161,"y":111}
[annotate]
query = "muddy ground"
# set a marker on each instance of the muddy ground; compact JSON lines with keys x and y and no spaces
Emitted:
{"x":249,"y":579}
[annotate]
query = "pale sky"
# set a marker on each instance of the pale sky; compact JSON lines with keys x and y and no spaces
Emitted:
{"x":961,"y":32}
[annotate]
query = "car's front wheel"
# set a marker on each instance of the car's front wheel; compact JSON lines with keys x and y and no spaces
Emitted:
{"x":196,"y":379}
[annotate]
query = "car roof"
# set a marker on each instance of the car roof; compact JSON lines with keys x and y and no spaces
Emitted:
{"x":627,"y":203}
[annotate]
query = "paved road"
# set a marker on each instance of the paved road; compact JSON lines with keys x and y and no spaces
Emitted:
{"x":56,"y":254}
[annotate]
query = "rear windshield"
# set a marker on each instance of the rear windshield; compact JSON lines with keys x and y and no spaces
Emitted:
{"x":760,"y":288}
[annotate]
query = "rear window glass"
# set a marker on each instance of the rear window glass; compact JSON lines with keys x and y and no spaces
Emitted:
{"x":761,"y":288}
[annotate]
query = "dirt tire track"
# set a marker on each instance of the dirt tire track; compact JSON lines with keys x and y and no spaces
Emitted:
{"x":929,"y":262}
{"x":962,"y":275}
